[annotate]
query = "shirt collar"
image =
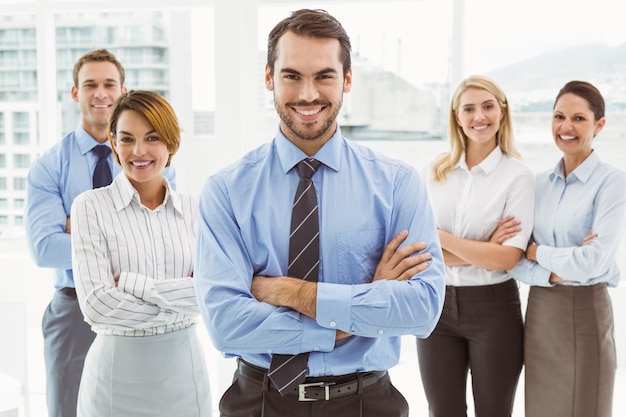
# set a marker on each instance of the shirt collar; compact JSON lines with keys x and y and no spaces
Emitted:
{"x":125,"y":193}
{"x":85,"y":141}
{"x":487,"y":165}
{"x":582,"y":171}
{"x":329,"y":155}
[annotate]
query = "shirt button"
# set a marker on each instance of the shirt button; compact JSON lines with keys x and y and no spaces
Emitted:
{"x":316,"y":349}
{"x":380,"y":332}
{"x":333,"y":324}
{"x":269,"y":351}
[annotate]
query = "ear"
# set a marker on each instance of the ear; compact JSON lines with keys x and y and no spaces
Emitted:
{"x":347,"y":81}
{"x":599,"y":125}
{"x":456,"y":117}
{"x":269,"y":83}
{"x":74,"y":93}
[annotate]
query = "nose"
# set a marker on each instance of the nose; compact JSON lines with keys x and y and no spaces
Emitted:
{"x":478,"y":114}
{"x":139,"y":148}
{"x":308,"y":91}
{"x":101,"y":92}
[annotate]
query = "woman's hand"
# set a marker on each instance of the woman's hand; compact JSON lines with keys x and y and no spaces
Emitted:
{"x":508,"y":227}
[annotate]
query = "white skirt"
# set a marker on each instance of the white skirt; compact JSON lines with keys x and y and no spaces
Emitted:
{"x":164,"y":375}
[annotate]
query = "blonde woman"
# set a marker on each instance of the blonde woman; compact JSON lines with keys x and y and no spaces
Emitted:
{"x":133,"y":256}
{"x":477,"y":185}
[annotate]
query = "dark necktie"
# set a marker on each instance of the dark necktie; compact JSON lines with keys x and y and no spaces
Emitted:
{"x":102,"y":172}
{"x":287,"y":371}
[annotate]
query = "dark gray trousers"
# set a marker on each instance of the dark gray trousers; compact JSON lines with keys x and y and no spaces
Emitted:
{"x":67,"y":339}
{"x":480,"y":330}
{"x":247,"y":397}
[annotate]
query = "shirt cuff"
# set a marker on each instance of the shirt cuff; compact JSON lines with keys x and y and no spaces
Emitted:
{"x":544,"y":256}
{"x":334,"y":306}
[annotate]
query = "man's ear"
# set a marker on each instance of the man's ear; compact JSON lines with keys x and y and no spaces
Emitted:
{"x":74,"y":93}
{"x":269,"y":83}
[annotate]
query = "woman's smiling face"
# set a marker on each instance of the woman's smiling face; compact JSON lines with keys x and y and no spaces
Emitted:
{"x":142,"y":153}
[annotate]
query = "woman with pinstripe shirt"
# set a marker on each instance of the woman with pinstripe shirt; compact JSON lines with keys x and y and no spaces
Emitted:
{"x":133,"y":248}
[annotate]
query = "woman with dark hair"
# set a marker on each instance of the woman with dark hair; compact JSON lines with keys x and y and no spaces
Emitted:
{"x":482,"y":196}
{"x":580,"y":213}
{"x":133,"y":248}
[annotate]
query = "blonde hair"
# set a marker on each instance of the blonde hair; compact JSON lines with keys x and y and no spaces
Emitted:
{"x":458,"y":139}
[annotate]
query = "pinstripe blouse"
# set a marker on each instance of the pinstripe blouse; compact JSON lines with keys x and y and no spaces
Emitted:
{"x":150,"y":252}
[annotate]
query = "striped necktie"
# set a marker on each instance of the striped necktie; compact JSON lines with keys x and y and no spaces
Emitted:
{"x":287,"y":371}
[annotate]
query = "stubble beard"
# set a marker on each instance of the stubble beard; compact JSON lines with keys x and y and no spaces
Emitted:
{"x":308,"y":134}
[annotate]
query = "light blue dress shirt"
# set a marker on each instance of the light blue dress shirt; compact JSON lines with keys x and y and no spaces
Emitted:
{"x":365,"y":199}
{"x":54,"y":180}
{"x":592,"y":199}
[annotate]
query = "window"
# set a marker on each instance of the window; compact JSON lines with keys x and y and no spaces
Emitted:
{"x":20,"y":120}
{"x":3,"y":203}
{"x":21,"y":160}
{"x":21,"y":138}
{"x":18,"y":203}
{"x":19,"y":183}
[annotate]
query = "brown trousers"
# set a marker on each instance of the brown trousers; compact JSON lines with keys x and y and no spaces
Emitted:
{"x":569,"y":352}
{"x":480,"y":330}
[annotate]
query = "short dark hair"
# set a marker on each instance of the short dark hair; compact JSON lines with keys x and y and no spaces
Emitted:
{"x":156,"y":109}
{"x":314,"y":23}
{"x":586,"y":91}
{"x":98,"y":55}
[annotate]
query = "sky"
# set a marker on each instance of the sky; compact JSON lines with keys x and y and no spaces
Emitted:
{"x":413,"y":38}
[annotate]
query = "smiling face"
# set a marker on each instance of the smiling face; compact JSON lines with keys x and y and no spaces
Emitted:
{"x":98,"y":87}
{"x":142,"y":154}
{"x":573,"y":127}
{"x":479,"y":115}
{"x":308,"y":85}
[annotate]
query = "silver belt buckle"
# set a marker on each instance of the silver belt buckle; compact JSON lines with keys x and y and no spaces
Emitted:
{"x":302,"y":390}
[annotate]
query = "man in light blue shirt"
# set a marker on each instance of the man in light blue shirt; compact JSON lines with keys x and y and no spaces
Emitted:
{"x":54,"y":180}
{"x":352,"y":319}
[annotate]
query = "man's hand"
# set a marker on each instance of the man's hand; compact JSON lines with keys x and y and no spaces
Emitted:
{"x":68,"y":225}
{"x":399,"y":264}
{"x":508,"y":227}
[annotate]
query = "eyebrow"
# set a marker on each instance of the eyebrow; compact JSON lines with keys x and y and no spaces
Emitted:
{"x":321,"y":72}
{"x":153,"y":131}
{"x":108,"y":80}
{"x":484,"y":102}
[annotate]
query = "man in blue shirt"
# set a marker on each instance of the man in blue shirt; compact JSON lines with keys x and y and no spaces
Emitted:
{"x":350,"y":320}
{"x":54,"y":180}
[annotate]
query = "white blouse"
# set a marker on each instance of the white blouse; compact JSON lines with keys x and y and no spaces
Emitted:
{"x":150,"y":252}
{"x":469,"y":204}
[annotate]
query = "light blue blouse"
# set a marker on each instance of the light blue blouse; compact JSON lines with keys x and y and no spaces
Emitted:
{"x":593,"y":198}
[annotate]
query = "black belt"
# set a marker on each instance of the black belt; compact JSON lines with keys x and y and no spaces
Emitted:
{"x":69,"y":291}
{"x":313,"y":389}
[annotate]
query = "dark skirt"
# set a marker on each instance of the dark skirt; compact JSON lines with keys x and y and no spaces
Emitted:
{"x":569,"y":352}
